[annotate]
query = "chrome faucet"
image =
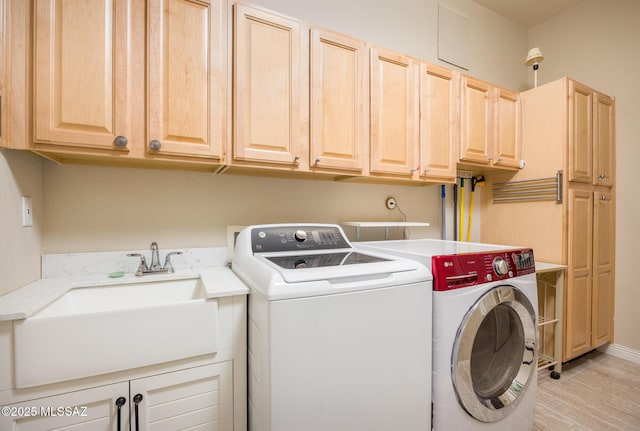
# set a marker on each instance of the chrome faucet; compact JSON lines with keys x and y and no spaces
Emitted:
{"x":155,"y":257}
{"x":155,"y":267}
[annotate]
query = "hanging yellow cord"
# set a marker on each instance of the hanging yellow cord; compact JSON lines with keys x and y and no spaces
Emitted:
{"x":461,"y":230}
{"x":470,"y":215}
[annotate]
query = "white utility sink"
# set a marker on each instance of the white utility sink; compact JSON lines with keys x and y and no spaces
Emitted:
{"x":101,"y":329}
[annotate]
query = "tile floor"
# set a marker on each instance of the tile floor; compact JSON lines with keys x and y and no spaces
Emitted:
{"x":595,"y":392}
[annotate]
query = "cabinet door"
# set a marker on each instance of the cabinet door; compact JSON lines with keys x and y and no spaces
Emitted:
{"x":580,"y":133}
{"x":508,"y":136}
{"x":394,"y":89}
{"x":603,"y":268}
{"x":83,"y":72}
{"x":101,"y":413}
{"x":339,"y":102}
{"x":199,"y":398}
{"x":476,"y":140}
{"x":578,"y":291}
{"x":271,"y":88}
{"x":604,"y":136}
{"x":187,"y":77}
{"x":439,"y":122}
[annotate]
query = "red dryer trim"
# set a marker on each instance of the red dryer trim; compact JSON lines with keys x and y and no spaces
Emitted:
{"x":470,"y":269}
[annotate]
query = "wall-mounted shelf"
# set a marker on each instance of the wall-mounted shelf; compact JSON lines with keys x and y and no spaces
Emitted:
{"x":550,"y":278}
{"x":385,"y":224}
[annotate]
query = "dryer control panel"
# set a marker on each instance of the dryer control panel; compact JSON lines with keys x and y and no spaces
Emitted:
{"x":470,"y":269}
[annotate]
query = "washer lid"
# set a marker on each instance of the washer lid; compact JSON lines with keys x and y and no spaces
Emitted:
{"x":300,"y":268}
{"x":324,"y":260}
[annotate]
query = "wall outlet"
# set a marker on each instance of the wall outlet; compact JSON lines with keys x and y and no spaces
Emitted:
{"x":27,"y":211}
{"x":390,"y":203}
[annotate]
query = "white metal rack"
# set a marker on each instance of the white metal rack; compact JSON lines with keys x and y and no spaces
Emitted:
{"x":385,"y":224}
{"x":550,"y":278}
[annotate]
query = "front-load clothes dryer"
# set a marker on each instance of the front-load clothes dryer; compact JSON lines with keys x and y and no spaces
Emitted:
{"x":484,"y":332}
{"x":339,"y":339}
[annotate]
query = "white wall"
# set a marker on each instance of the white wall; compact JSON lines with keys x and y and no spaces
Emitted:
{"x":20,"y":175}
{"x":596,"y":43}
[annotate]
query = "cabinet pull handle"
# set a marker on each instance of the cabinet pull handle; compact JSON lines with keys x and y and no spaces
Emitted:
{"x":155,"y":145}
{"x":120,"y":141}
{"x":119,"y":403}
{"x":137,"y":399}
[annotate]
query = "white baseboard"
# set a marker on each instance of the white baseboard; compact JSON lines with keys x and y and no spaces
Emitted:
{"x":622,"y":352}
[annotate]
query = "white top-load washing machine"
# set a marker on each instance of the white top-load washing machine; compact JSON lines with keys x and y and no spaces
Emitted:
{"x":484,"y":332}
{"x":339,"y":340}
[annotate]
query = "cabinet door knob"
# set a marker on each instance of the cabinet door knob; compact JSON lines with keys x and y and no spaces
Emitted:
{"x":490,"y":158}
{"x":155,"y":145}
{"x":602,"y":176}
{"x":426,"y":171}
{"x":603,"y":198}
{"x":500,"y":159}
{"x":296,"y":159}
{"x":317,"y":160}
{"x":120,"y":141}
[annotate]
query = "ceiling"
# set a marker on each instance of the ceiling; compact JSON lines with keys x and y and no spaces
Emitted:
{"x":528,"y":13}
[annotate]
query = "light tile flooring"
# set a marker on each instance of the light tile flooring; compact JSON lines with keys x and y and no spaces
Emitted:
{"x":595,"y":392}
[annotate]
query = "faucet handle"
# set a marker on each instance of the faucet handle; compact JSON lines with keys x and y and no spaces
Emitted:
{"x":167,"y":261}
{"x":142,"y":267}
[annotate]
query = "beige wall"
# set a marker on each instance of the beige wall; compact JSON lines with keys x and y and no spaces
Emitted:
{"x":20,"y":175}
{"x":93,"y":208}
{"x":596,"y":43}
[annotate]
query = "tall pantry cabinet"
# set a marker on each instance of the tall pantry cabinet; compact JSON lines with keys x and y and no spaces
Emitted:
{"x":567,"y":127}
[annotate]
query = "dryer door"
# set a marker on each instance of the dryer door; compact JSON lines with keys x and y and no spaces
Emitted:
{"x":494,"y":355}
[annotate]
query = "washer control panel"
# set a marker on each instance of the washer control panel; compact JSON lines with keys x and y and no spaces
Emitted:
{"x":297,"y":237}
{"x":470,"y":269}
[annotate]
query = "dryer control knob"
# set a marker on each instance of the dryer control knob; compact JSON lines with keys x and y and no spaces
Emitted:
{"x":300,"y":235}
{"x":500,"y":266}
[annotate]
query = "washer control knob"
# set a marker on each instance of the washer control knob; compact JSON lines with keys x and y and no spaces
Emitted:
{"x":300,"y":235}
{"x":500,"y":266}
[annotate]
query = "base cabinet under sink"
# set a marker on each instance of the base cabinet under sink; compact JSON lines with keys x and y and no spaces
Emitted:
{"x":193,"y":398}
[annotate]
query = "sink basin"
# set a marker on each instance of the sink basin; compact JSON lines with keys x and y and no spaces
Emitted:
{"x":101,"y":329}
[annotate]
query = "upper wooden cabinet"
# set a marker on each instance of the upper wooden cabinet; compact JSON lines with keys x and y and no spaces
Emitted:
{"x":489,"y":124}
{"x":339,"y":102}
{"x":394,"y":87}
{"x":604,"y":140}
{"x":77,"y":105}
{"x":591,"y":136}
{"x":90,"y":68}
{"x":270,"y":89}
{"x":187,"y":77}
{"x":507,"y":121}
{"x":439,"y":117}
{"x":580,"y":133}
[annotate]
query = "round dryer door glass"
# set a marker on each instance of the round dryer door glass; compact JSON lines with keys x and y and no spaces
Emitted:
{"x":494,"y":356}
